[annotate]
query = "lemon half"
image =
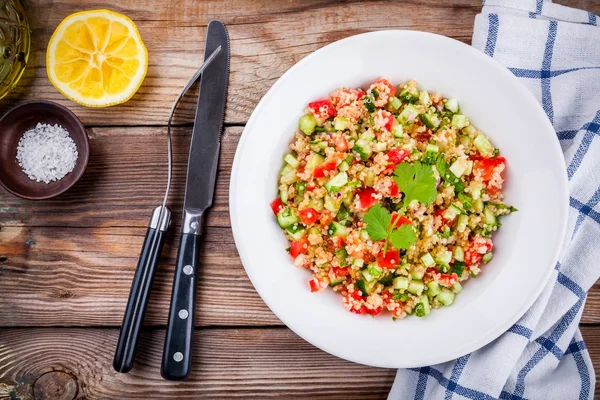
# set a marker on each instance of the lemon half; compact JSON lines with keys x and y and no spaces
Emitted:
{"x":97,"y":58}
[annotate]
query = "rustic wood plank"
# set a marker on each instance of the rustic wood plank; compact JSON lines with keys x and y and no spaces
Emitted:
{"x":267,"y":38}
{"x":232,"y":363}
{"x":70,"y":261}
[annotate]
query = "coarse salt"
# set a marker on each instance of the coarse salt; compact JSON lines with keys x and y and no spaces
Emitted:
{"x":47,"y":153}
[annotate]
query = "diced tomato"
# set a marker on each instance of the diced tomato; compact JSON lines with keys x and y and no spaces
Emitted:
{"x":394,"y":191}
{"x":431,"y":270}
{"x":447,"y":280}
{"x":298,"y":247}
{"x":353,"y":297}
{"x":396,"y":156}
{"x":384,"y":119}
{"x":374,"y":311}
{"x":341,"y":143}
{"x":326,"y":217}
{"x":359,"y":310}
{"x":356,"y":296}
{"x":320,"y":170}
{"x":398,"y":220}
{"x":315,"y":286}
{"x":366,"y":198}
{"x":445,"y":222}
{"x":391,"y":260}
{"x":341,"y":271}
{"x":388,"y":84}
{"x":322,"y":108}
{"x":308,"y":216}
{"x":360,"y":95}
{"x":472,"y":257}
{"x":277,"y":205}
{"x":487,"y":166}
{"x":338,"y":242}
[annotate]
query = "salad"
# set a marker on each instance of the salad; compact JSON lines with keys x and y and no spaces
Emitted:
{"x":390,"y":196}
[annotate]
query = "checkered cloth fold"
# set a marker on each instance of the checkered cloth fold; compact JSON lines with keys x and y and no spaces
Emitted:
{"x":555,"y":51}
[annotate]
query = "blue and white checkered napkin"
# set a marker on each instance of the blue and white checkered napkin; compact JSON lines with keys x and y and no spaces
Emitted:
{"x":555,"y":51}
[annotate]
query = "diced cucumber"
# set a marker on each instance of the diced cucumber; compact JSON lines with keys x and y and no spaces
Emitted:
{"x":363,"y":149}
{"x":337,"y":229}
{"x":287,"y":175}
{"x":433,"y":288}
{"x":459,"y":254}
{"x":484,"y":146}
{"x":417,"y":273}
{"x":368,"y":102}
{"x":291,"y":160}
{"x":367,"y":276}
{"x":379,"y":147}
{"x":401,"y":283}
{"x":446,"y":297}
{"x":342,"y":256}
{"x":469,"y":168}
{"x":451,"y":105}
{"x":296,"y":231}
{"x":424,"y":98}
{"x":283,"y":195}
{"x":340,"y":123}
{"x":315,"y":203}
{"x":336,"y":183}
{"x":431,"y":153}
{"x":364,"y":235}
{"x":465,"y":201}
{"x":313,"y":160}
{"x":428,"y":260}
{"x":409,"y":113}
{"x":395,"y":103}
{"x":431,"y":120}
{"x":423,"y":308}
{"x":490,"y":218}
{"x":410,"y":94}
{"x":487,"y":257}
{"x":370,"y":178}
{"x":364,"y":287}
{"x":307,"y":124}
{"x":337,"y":281}
{"x":344,"y":166}
{"x":443,"y":257}
{"x":452,"y":212}
{"x":416,"y":287}
{"x":459,"y":121}
{"x":358,"y":263}
{"x":318,"y":146}
{"x":332,"y":204}
{"x":457,"y":287}
{"x":342,"y":213}
{"x":300,"y":188}
{"x":397,"y":130}
{"x":367,"y":136}
{"x":463,"y":220}
{"x":374,"y":270}
{"x":387,"y":280}
{"x":349,"y":196}
{"x":286,"y":217}
{"x":458,"y":267}
{"x":459,"y":167}
{"x":314,"y":231}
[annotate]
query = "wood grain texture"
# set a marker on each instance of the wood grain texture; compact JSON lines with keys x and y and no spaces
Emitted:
{"x":231,"y":363}
{"x":70,"y":261}
{"x":267,"y":38}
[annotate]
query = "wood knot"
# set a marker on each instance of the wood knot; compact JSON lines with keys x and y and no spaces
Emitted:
{"x":3,"y":259}
{"x":55,"y":385}
{"x":65,"y":294}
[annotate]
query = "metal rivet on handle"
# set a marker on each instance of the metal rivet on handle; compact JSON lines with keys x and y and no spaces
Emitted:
{"x":178,"y":356}
{"x":183,"y":314}
{"x":188,"y":269}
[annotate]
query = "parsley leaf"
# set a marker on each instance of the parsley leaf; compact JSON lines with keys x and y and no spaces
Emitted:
{"x":403,"y":237}
{"x":378,"y":219}
{"x":416,"y":182}
{"x":458,"y":268}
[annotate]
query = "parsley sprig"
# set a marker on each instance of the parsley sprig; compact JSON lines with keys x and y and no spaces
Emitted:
{"x":417,"y":182}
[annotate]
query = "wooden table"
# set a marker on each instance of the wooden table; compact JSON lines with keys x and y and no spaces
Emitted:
{"x":66,"y":264}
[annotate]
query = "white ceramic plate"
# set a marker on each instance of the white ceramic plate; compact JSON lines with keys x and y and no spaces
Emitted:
{"x":526,"y":247}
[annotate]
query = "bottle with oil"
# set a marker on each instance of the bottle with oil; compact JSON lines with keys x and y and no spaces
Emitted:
{"x":14,"y":44}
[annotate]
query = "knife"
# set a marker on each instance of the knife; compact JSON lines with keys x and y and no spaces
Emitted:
{"x":199,"y":191}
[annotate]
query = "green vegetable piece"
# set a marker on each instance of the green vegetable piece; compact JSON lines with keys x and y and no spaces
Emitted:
{"x":378,"y":220}
{"x":375,"y":93}
{"x":395,"y":103}
{"x":451,"y":105}
{"x":403,"y":237}
{"x":409,"y":113}
{"x":417,"y":182}
{"x":307,"y":124}
{"x":458,"y":268}
{"x":448,"y":176}
{"x":410,"y":94}
{"x":484,"y":146}
{"x":286,"y":217}
{"x":340,"y":123}
{"x":459,"y":121}
{"x":369,"y":104}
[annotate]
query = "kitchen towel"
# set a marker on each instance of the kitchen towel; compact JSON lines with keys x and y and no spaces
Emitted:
{"x":555,"y":52}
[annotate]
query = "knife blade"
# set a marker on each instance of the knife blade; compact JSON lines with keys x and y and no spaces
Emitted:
{"x":199,"y":192}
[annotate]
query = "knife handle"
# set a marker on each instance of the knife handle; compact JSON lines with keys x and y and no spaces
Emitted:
{"x":177,"y":353}
{"x":140,"y":290}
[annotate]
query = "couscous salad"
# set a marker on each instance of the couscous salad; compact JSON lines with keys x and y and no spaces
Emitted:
{"x":390,"y":196}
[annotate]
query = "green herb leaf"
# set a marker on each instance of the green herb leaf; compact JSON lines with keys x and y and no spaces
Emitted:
{"x":403,"y":237}
{"x":369,"y":104}
{"x":375,"y":93}
{"x":458,"y":268}
{"x":416,"y":182}
{"x":396,"y":296}
{"x":377,"y":219}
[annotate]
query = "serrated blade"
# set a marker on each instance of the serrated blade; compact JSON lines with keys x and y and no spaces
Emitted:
{"x":208,"y":124}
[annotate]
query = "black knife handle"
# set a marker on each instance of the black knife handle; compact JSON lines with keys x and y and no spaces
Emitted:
{"x":177,"y":353}
{"x":140,"y":292}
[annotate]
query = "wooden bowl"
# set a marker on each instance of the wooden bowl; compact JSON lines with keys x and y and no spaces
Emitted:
{"x":12,"y":127}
